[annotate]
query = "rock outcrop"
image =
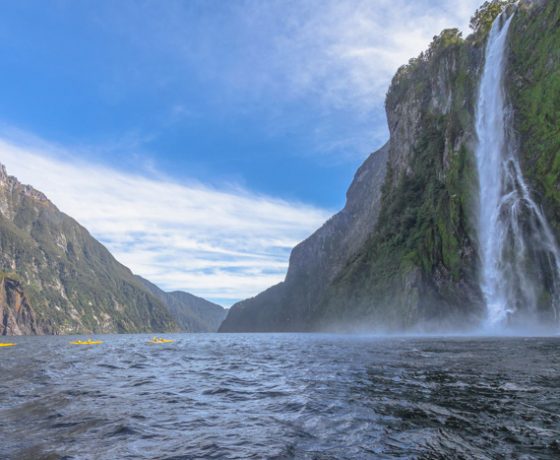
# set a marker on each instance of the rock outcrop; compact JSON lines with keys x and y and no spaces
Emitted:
{"x":16,"y":315}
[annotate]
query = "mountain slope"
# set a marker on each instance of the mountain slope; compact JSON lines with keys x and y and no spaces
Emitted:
{"x":57,"y":279}
{"x":191,"y":313}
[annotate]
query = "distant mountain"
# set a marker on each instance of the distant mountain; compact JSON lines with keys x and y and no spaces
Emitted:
{"x":55,"y":278}
{"x":191,"y":313}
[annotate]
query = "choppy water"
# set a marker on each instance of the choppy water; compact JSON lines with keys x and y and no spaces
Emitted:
{"x":281,"y":396}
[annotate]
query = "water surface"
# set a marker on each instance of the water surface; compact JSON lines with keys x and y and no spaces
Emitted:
{"x":281,"y":396}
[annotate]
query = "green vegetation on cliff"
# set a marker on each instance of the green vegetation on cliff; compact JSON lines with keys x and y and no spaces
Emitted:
{"x":70,"y":281}
{"x":419,"y":265}
{"x":534,"y":90}
{"x":482,"y":20}
{"x":55,"y":278}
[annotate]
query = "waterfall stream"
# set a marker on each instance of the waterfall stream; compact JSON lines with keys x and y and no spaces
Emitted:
{"x":520,"y":260}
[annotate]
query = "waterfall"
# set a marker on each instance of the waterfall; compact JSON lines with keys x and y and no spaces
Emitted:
{"x":520,"y":260}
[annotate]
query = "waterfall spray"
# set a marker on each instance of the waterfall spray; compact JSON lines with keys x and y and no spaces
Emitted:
{"x":520,"y":260}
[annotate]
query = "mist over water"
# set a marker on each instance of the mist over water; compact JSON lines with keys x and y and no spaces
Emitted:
{"x":520,"y":260}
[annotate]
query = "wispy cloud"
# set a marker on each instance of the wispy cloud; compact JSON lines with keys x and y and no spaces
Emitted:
{"x":224,"y":245}
{"x":346,"y":51}
{"x":340,"y":56}
{"x":335,"y":56}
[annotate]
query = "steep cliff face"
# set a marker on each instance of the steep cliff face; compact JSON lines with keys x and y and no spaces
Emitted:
{"x":316,"y":262}
{"x":406,"y":255}
{"x":416,"y":266}
{"x":418,"y":269}
{"x":67,"y":282}
{"x":191,"y":313}
{"x":16,"y":315}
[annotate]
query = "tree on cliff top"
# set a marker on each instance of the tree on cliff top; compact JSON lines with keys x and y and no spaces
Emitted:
{"x":487,"y":13}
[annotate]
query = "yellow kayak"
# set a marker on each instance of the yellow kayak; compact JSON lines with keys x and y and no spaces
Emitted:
{"x":86,"y":342}
{"x":160,"y":340}
{"x":7,"y":344}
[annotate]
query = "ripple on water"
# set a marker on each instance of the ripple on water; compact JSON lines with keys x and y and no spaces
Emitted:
{"x":281,"y":396}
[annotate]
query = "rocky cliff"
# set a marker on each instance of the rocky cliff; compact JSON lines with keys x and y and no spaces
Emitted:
{"x":55,"y":278}
{"x":16,"y":315}
{"x":316,"y":262}
{"x":403,"y":255}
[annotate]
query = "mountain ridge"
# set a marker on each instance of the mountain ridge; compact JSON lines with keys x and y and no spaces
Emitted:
{"x":192,"y":313}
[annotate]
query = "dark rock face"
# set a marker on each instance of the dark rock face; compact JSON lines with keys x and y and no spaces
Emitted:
{"x":317,"y":261}
{"x":191,"y":313}
{"x":67,"y":282}
{"x":403,"y":254}
{"x":16,"y":315}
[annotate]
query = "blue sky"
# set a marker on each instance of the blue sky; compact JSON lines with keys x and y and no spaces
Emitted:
{"x":274,"y":103}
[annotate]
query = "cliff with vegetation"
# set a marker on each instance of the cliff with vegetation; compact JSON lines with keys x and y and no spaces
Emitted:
{"x":318,"y":261}
{"x":70,"y":282}
{"x":534,"y":90}
{"x":55,"y":278}
{"x":16,"y":315}
{"x":413,"y":261}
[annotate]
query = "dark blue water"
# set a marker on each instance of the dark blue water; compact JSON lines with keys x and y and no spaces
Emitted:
{"x":281,"y":396}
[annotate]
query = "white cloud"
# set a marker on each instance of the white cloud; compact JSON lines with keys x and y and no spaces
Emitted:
{"x":343,"y":54}
{"x":323,"y":64}
{"x":224,"y":245}
{"x":346,"y":51}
